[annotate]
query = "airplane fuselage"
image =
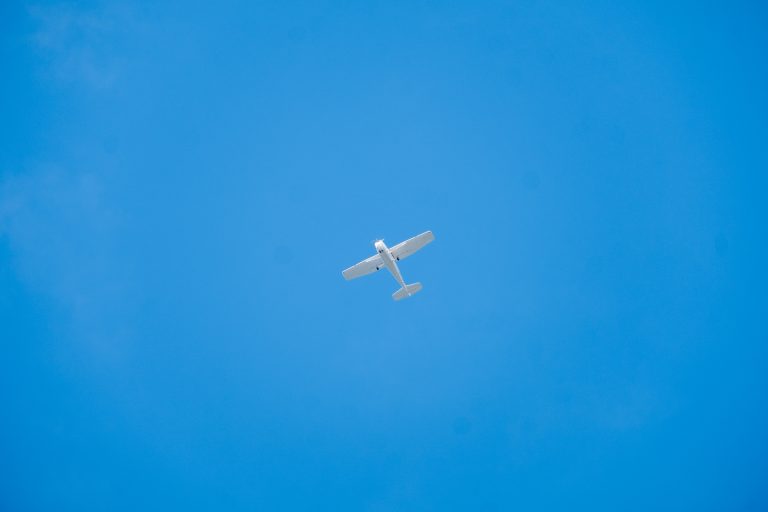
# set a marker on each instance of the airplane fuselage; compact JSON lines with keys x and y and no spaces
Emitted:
{"x":389,"y":261}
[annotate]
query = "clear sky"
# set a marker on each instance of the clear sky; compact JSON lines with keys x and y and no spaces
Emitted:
{"x":181,"y":184}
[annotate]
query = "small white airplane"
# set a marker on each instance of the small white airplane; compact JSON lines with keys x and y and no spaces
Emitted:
{"x":386,"y":257}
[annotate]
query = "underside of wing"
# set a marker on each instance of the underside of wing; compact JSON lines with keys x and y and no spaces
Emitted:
{"x":410,"y":246}
{"x":367,"y":266}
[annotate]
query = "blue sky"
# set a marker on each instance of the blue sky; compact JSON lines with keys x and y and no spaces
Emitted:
{"x":182,"y":183}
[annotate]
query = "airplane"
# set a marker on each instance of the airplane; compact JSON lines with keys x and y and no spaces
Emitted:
{"x":386,"y":257}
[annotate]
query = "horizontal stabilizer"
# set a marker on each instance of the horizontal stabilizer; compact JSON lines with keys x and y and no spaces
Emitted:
{"x":406,"y":291}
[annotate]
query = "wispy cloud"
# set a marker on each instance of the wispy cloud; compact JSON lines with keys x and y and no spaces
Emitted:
{"x":79,"y":45}
{"x":59,"y":229}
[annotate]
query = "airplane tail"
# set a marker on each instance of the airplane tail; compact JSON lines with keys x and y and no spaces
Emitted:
{"x":406,"y":291}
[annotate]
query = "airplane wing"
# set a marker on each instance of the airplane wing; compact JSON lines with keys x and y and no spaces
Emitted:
{"x":410,"y":246}
{"x":365,"y":267}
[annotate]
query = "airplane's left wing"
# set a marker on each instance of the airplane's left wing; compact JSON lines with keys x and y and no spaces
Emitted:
{"x":365,"y":267}
{"x":410,"y":246}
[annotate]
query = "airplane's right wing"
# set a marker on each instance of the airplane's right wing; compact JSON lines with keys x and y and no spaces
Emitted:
{"x":365,"y":267}
{"x":410,"y":246}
